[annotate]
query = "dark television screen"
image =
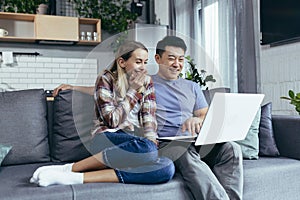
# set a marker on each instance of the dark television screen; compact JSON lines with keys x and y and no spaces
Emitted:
{"x":279,"y":21}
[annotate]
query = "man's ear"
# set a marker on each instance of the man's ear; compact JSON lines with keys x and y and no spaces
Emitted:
{"x":157,"y":58}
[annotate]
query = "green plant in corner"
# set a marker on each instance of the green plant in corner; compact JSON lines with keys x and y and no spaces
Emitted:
{"x":294,"y":100}
{"x":193,"y":74}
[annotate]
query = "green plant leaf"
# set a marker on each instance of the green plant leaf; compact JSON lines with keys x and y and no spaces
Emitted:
{"x":298,"y":108}
{"x":286,"y":98}
{"x":291,"y":94}
{"x":188,"y":58}
{"x":210,"y":78}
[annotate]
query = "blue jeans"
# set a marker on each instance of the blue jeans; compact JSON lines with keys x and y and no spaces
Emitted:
{"x":134,"y":159}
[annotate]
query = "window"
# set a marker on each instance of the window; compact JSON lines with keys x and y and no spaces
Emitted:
{"x":215,"y":30}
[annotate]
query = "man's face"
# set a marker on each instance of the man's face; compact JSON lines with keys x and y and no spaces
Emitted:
{"x":170,"y":63}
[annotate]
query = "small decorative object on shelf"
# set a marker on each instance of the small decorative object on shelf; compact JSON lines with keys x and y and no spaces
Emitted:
{"x":42,"y":9}
{"x":3,"y":32}
{"x":193,"y":74}
{"x":294,"y":100}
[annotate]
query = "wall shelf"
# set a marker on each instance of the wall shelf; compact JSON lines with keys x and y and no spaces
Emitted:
{"x":34,"y":28}
{"x":17,"y":39}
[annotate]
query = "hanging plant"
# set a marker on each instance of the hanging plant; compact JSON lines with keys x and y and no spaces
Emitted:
{"x":114,"y":14}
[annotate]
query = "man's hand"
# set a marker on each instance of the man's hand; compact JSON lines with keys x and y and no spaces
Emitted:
{"x":192,"y":125}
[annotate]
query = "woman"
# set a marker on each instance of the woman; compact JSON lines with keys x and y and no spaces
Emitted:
{"x":124,"y":146}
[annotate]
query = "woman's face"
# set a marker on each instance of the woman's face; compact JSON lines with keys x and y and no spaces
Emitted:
{"x":136,"y":63}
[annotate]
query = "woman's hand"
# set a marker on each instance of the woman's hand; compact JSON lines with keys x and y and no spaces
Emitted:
{"x":137,"y":79}
{"x":154,"y":141}
{"x":62,"y":87}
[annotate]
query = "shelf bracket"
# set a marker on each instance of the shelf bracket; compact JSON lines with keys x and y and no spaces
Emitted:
{"x":25,"y":53}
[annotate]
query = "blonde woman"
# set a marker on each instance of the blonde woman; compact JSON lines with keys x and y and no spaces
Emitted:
{"x":124,"y":146}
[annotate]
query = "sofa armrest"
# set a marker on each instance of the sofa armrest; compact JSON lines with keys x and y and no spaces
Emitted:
{"x":287,"y":135}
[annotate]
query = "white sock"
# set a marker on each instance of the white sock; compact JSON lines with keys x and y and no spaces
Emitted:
{"x":52,"y":177}
{"x":62,"y":168}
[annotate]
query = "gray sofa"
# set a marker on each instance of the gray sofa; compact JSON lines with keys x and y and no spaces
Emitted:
{"x":54,"y":132}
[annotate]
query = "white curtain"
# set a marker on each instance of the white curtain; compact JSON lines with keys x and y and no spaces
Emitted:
{"x":218,"y":37}
{"x":212,"y":25}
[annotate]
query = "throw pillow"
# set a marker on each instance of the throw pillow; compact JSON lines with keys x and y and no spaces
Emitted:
{"x":250,"y":145}
{"x":267,"y":144}
{"x":23,"y":125}
{"x":73,"y":114}
{"x":4,"y":149}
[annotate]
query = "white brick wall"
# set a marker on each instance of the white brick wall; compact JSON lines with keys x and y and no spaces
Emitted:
{"x":280,"y":71}
{"x":45,"y":72}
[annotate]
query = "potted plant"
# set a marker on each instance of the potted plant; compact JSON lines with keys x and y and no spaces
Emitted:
{"x":294,"y":100}
{"x":21,"y":6}
{"x":114,"y":14}
{"x":193,"y":74}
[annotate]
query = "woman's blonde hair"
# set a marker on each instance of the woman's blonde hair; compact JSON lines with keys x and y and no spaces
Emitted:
{"x":124,"y":52}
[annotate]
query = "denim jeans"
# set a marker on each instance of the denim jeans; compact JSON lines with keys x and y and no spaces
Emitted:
{"x":134,"y":159}
{"x":216,"y":176}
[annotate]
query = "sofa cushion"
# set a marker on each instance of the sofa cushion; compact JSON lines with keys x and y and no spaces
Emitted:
{"x":73,"y":114}
{"x":174,"y":189}
{"x":267,"y":144}
{"x":15,"y":185}
{"x":270,"y":178}
{"x":24,"y":126}
{"x":250,"y":145}
{"x":4,"y":149}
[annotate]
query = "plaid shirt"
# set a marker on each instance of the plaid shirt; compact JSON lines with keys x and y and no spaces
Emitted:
{"x":112,"y":111}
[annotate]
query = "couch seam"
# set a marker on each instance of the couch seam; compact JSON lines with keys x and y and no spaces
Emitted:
{"x":73,"y":192}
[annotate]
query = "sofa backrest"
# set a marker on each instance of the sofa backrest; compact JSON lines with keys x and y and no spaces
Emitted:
{"x":287,"y":135}
{"x":23,"y":125}
{"x":209,"y":94}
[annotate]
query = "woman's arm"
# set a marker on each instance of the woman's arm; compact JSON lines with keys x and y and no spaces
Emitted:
{"x":148,"y":113}
{"x":113,"y":111}
{"x":84,"y":89}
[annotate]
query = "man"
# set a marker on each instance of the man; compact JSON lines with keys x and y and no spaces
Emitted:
{"x":181,"y":108}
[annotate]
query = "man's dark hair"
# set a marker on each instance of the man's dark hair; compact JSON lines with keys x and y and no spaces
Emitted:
{"x":173,"y":41}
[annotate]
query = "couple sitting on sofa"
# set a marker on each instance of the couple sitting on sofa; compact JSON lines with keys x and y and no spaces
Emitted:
{"x":125,"y":148}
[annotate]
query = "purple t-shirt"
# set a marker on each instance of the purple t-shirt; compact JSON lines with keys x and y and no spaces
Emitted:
{"x":176,"y":102}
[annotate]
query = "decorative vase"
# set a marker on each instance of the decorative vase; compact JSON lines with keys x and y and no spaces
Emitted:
{"x":42,"y":9}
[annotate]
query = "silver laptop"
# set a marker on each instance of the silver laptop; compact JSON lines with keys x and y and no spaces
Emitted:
{"x":229,"y":118}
